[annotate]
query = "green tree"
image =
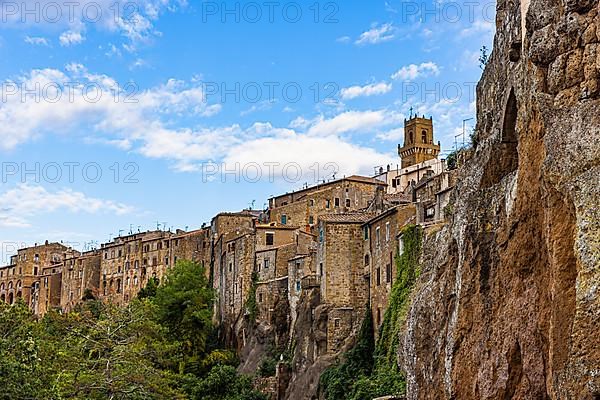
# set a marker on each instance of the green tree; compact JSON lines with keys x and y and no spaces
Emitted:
{"x":114,"y":355}
{"x":224,"y":383}
{"x":184,"y":306}
{"x":149,"y":291}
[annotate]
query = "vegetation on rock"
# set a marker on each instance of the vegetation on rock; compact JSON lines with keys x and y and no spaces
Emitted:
{"x":369,"y":369}
{"x":158,"y":347}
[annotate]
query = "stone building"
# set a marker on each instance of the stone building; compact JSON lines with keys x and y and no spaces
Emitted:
{"x":80,"y":277}
{"x":302,"y":208}
{"x":344,"y":286}
{"x":128,"y":262}
{"x":418,"y":142}
{"x":21,"y":278}
{"x":233,"y":238}
{"x":419,"y":158}
{"x":381,"y":236}
{"x":432,"y":195}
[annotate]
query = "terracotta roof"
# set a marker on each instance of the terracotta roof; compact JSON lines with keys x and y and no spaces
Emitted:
{"x":347,"y":217}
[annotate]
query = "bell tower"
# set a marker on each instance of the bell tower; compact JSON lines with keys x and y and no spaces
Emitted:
{"x":418,"y":141}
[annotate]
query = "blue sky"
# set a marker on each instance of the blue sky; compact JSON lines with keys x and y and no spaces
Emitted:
{"x":204,"y":107}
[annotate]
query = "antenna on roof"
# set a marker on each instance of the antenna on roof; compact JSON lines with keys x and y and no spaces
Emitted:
{"x":120,"y":232}
{"x":131,"y":229}
{"x":110,"y":237}
{"x":157,"y":226}
{"x":164,"y":225}
{"x":186,"y":228}
{"x":139,"y":228}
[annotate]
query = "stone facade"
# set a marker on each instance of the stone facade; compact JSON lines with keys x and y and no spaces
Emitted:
{"x":21,"y":278}
{"x":418,"y":142}
{"x":344,"y":285}
{"x":80,"y":277}
{"x":382,"y":242}
{"x":302,"y":209}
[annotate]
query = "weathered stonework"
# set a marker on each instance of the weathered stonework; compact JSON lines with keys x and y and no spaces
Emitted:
{"x":507,"y":304}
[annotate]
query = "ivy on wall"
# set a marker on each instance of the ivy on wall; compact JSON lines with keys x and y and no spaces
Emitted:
{"x":370,"y":370}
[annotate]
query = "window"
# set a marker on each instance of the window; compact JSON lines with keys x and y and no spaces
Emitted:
{"x":166,"y":260}
{"x":377,"y":236}
{"x":321,"y":269}
{"x":266,"y":263}
{"x":327,"y":204}
{"x":367,"y":260}
{"x":135,"y":280}
{"x":311,"y":202}
{"x":36,"y":258}
{"x":400,"y":246}
{"x":260,"y":297}
{"x":424,"y":136}
{"x":387,"y":231}
{"x":336,"y":322}
{"x":270,"y":239}
{"x":284,"y":219}
{"x":311,"y":220}
{"x":410,"y":137}
{"x":388,"y":273}
{"x":119,"y":269}
{"x":348,"y":203}
{"x":118,"y":286}
{"x":336,"y":202}
{"x":378,"y":276}
{"x":298,"y":286}
{"x":378,"y":315}
{"x":230,"y":267}
{"x":35,"y":270}
{"x":366,"y":231}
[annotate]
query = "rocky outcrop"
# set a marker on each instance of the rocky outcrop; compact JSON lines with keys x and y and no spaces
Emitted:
{"x":508,"y":303}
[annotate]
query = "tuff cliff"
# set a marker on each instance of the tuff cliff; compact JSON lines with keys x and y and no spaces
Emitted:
{"x":508,"y":302}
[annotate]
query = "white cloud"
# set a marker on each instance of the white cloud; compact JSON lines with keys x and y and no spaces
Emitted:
{"x":377,"y":34}
{"x":352,"y":121}
{"x":70,"y":38}
{"x":146,"y":122}
{"x":366,"y":91}
{"x":134,"y":20}
{"x":317,"y":157}
{"x":37,"y":41}
{"x":479,"y":27}
{"x":110,"y":110}
{"x":414,"y":71}
{"x":25,"y":201}
{"x":343,"y":39}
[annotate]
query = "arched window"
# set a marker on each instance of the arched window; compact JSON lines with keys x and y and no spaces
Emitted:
{"x":10,"y":285}
{"x":118,"y":286}
{"x":127,"y":281}
{"x":135,"y":280}
{"x":367,"y":260}
{"x":19,"y":285}
{"x":10,"y":298}
{"x":3,"y":297}
{"x":411,"y":138}
{"x":19,"y":295}
{"x":424,"y":136}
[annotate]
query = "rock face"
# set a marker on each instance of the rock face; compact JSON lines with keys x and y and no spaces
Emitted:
{"x":508,"y":303}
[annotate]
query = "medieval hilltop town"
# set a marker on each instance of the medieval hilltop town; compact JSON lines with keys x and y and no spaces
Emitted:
{"x":340,"y":237}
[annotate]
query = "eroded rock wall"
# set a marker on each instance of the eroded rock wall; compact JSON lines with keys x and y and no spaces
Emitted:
{"x":508,"y":303}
